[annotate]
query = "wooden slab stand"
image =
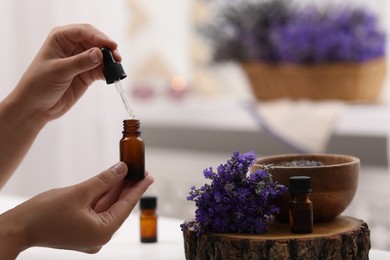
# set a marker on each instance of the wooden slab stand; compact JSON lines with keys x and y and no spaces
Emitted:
{"x":342,"y":238}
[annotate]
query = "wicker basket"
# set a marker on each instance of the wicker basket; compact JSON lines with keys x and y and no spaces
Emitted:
{"x":361,"y":82}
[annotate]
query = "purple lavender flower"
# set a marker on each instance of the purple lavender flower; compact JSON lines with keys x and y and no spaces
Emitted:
{"x":276,"y":31}
{"x":315,"y":36}
{"x":235,"y":201}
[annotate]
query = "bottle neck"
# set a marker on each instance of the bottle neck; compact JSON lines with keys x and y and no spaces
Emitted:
{"x":301,"y":196}
{"x":131,"y":126}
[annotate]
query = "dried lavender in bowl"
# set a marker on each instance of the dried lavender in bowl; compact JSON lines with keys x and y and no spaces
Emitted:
{"x":300,"y":163}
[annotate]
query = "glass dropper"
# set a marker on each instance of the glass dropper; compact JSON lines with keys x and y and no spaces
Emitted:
{"x":114,"y":73}
{"x":125,"y":99}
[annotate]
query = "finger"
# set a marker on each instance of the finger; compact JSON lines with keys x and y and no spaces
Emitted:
{"x":81,"y":62}
{"x":129,"y":197}
{"x":85,"y":33}
{"x":104,"y":202}
{"x":103,"y":182}
{"x":117,"y":56}
{"x":108,"y":198}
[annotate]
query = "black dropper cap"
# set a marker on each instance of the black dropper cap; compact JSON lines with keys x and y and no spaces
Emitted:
{"x":112,"y":70}
{"x":300,"y":184}
{"x":148,"y":202}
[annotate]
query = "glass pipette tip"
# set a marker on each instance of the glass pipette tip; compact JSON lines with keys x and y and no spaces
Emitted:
{"x":124,"y":98}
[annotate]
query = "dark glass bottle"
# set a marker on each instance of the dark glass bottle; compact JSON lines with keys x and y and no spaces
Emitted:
{"x":148,"y":219}
{"x":132,"y":149}
{"x":301,"y":206}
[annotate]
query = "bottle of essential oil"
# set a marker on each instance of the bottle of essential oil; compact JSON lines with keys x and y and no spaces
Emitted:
{"x":132,"y":149}
{"x":148,"y":219}
{"x":301,"y":206}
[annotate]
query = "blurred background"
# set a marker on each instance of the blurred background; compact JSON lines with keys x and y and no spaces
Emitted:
{"x":193,"y":113}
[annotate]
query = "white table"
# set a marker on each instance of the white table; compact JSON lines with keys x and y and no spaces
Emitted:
{"x":125,"y":243}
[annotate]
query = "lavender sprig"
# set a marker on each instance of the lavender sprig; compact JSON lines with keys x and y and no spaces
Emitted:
{"x":235,"y":201}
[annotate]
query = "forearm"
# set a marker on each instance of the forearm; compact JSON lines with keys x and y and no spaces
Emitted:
{"x":12,"y":239}
{"x":18,"y":129}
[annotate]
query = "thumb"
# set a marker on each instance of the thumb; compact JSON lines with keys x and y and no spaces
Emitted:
{"x":107,"y":179}
{"x":83,"y":61}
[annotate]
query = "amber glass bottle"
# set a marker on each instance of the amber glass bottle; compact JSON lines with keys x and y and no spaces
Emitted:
{"x":132,"y":149}
{"x":148,"y":219}
{"x":301,"y":206}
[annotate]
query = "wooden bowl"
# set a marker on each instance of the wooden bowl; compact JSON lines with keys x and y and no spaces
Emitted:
{"x":333,"y":185}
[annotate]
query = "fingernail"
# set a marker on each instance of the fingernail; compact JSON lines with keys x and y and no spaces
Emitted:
{"x":119,"y":168}
{"x":94,"y":57}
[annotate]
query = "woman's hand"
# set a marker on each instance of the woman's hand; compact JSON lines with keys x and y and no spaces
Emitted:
{"x":82,"y":217}
{"x":68,"y":62}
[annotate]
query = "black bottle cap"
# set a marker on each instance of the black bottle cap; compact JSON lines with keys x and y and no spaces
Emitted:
{"x":300,"y":184}
{"x":112,"y":70}
{"x":148,"y":202}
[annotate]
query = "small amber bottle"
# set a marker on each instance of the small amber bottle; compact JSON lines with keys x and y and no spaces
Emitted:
{"x":132,"y":149}
{"x":301,"y":206}
{"x":148,"y":219}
